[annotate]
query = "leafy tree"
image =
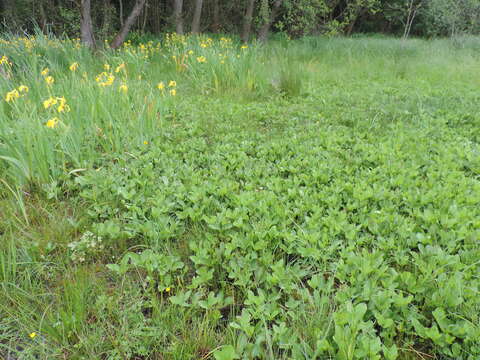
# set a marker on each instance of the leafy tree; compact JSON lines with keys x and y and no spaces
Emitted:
{"x":303,"y":17}
{"x":127,"y":25}
{"x":87,"y":25}
{"x":354,"y":9}
{"x":269,"y":14}
{"x":452,"y":17}
{"x":402,"y":12}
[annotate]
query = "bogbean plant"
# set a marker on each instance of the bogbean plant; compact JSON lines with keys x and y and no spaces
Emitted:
{"x":371,"y":239}
{"x":248,"y":214}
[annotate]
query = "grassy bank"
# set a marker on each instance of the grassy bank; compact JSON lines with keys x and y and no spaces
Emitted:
{"x":195,"y":198}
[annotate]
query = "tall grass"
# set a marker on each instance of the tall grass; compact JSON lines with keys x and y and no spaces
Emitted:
{"x":104,"y":120}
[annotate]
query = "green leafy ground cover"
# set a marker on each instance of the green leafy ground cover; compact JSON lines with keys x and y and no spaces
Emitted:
{"x":318,"y":199}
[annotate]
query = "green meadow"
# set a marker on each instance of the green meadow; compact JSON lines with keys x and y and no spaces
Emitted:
{"x":195,"y":198}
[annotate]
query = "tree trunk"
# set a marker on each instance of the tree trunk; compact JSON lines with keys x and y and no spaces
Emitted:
{"x":265,"y":29}
{"x":177,"y":15}
{"x":216,"y":17}
{"x":107,"y":12}
{"x":349,"y":30}
{"x":196,"y":17}
{"x":122,"y":34}
{"x":353,"y":20}
{"x":121,"y":12}
{"x":145,"y":17}
{"x":86,"y":27}
{"x":43,"y":18}
{"x":247,"y":22}
{"x":412,"y":12}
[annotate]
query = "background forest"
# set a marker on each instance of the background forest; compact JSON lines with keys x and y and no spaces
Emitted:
{"x":293,"y":17}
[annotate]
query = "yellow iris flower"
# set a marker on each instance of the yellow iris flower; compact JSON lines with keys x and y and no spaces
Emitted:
{"x":120,"y":68}
{"x":49,"y":80}
{"x":3,"y":60}
{"x":12,"y":95}
{"x":74,"y":66}
{"x":52,"y":123}
{"x":49,"y":102}
{"x":63,"y":107}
